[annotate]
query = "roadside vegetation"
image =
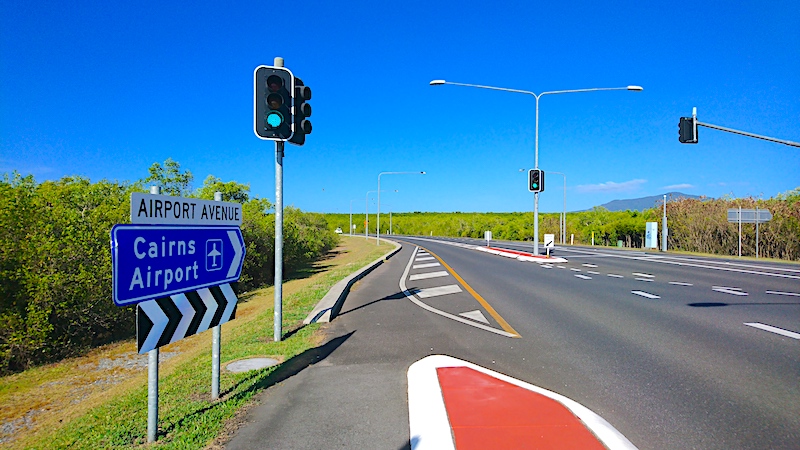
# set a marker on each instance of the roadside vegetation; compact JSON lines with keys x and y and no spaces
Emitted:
{"x":99,"y":400}
{"x":695,"y":225}
{"x":55,"y":258}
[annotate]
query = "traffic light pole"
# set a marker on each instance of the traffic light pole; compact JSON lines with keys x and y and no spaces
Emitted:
{"x":278,"y":309}
{"x":744,"y":133}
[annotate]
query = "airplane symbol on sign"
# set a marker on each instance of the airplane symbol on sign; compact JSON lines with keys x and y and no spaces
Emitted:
{"x":212,"y":254}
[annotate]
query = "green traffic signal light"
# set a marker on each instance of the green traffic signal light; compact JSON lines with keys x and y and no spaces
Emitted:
{"x":273,"y":88}
{"x":274,"y":119}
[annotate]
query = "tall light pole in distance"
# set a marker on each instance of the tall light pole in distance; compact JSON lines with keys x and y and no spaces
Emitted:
{"x":378,"y":228}
{"x":351,"y":217}
{"x":536,"y":159}
{"x":366,"y":211}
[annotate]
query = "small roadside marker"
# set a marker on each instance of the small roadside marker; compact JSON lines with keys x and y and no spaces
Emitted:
{"x":645,"y":294}
{"x":775,"y":330}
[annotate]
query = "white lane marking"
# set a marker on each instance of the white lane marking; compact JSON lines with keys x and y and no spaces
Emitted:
{"x":409,"y":295}
{"x":613,"y":275}
{"x":645,"y":294}
{"x":729,"y":291}
{"x":424,"y":258}
{"x":680,"y":283}
{"x":475,"y":315}
{"x":775,"y":330}
{"x":643,"y":279}
{"x":589,"y":265}
{"x":437,"y":291}
{"x":583,"y":277}
{"x":575,"y":269}
{"x":561,"y":267}
{"x":646,"y":275}
{"x":426,"y":265}
{"x":727,"y":287}
{"x":593,"y":272}
{"x":425,"y":276}
{"x":793,"y":294}
{"x":546,"y":266}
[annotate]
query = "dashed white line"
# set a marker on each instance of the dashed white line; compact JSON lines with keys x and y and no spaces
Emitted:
{"x":680,"y":283}
{"x":593,"y":272}
{"x":425,"y":276}
{"x":589,"y":265}
{"x":546,"y":266}
{"x":437,"y":291}
{"x":731,"y":291}
{"x":561,"y":267}
{"x":583,"y":277}
{"x":613,"y":275}
{"x":426,"y":265}
{"x":775,"y":330}
{"x":646,"y":275}
{"x":645,"y":294}
{"x":793,"y":294}
{"x":574,"y":269}
{"x":727,"y":287}
{"x":643,"y":279}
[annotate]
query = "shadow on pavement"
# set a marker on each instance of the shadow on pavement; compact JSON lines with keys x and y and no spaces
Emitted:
{"x":396,"y":296}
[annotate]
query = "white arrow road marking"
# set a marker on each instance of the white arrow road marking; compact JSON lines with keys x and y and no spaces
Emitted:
{"x":793,"y":294}
{"x":211,"y":307}
{"x":182,"y":303}
{"x":159,"y":319}
{"x":732,"y":291}
{"x":425,"y":276}
{"x":776,"y":330}
{"x":237,"y":253}
{"x":437,"y":291}
{"x":231,"y":297}
{"x":475,"y":315}
{"x":645,"y":294}
{"x":583,"y":277}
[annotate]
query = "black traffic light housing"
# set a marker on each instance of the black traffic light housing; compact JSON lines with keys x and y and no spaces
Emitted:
{"x":302,"y":110}
{"x":687,"y":130}
{"x":536,"y":180}
{"x":273,"y":117}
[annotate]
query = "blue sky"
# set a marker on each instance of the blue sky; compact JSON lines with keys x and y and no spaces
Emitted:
{"x":105,"y":89}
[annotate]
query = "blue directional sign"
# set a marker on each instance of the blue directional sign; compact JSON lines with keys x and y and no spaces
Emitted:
{"x":153,"y":261}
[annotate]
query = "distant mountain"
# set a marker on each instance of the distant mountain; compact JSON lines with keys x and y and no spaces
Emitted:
{"x":640,"y":204}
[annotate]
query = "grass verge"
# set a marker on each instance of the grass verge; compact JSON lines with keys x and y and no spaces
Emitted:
{"x":100,"y":400}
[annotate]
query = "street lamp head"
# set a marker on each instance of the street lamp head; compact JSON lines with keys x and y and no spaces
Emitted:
{"x":422,"y":173}
{"x":437,"y":82}
{"x":635,"y":88}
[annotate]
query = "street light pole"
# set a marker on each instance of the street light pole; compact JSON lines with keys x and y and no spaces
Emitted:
{"x":536,"y":157}
{"x":378,"y":229}
{"x":351,"y":217}
{"x":366,"y":210}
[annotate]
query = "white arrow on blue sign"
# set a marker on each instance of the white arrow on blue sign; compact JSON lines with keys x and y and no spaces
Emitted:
{"x":153,"y":261}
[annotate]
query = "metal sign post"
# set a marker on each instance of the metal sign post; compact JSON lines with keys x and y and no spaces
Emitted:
{"x":756,"y":216}
{"x":152,"y":379}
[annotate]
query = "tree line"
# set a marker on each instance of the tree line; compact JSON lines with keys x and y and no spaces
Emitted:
{"x":55,"y":256}
{"x":695,"y":225}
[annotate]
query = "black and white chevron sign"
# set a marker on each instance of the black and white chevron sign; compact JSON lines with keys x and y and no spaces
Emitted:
{"x":168,"y":319}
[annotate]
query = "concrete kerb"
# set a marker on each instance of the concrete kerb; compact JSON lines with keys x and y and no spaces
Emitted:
{"x":330,"y":305}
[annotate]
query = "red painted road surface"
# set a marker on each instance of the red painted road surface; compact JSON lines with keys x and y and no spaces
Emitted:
{"x":489,"y":413}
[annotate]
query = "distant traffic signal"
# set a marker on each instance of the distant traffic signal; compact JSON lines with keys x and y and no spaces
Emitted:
{"x":687,"y":130}
{"x":302,"y":110}
{"x":273,"y":118}
{"x":536,"y":180}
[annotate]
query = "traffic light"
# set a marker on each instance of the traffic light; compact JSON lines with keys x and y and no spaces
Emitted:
{"x":273,"y":118}
{"x":302,"y":110}
{"x":536,"y":180}
{"x":687,"y":130}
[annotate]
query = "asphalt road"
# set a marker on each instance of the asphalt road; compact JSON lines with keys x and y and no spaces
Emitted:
{"x":658,"y":345}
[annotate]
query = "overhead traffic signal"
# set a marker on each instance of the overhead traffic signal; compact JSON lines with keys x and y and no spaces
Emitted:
{"x":302,"y":110}
{"x":273,"y":118}
{"x":687,"y":130}
{"x":536,"y":180}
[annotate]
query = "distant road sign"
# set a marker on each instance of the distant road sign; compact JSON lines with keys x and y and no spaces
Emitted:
{"x":159,"y":260}
{"x":168,"y":210}
{"x":749,"y":215}
{"x":549,"y":241}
